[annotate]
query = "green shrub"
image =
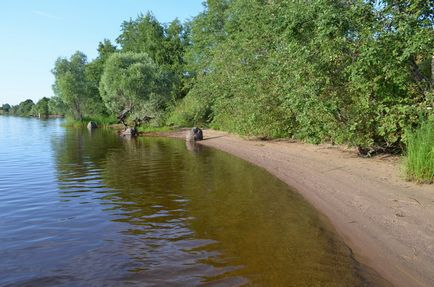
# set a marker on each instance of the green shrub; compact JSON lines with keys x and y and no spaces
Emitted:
{"x":192,"y":110}
{"x":419,"y":162}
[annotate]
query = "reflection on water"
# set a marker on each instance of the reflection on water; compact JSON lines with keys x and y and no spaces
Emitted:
{"x":93,"y":209}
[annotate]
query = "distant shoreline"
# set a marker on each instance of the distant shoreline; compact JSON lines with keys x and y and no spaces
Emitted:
{"x":386,"y":221}
{"x":48,"y":117}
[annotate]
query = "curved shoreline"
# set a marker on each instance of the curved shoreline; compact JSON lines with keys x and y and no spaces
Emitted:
{"x":386,"y":221}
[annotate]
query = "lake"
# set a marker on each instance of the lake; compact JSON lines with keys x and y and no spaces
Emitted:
{"x":80,"y":208}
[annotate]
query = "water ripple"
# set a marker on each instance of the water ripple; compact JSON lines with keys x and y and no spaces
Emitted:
{"x":90,"y":209}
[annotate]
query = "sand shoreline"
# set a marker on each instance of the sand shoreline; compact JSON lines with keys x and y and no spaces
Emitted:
{"x":386,"y":221}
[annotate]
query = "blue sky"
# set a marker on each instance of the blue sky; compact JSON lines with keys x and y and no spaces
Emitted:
{"x":33,"y":33}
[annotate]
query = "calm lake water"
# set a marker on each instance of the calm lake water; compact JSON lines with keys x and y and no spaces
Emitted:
{"x":93,"y":209}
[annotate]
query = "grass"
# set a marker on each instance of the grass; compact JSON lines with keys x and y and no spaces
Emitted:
{"x":101,"y":121}
{"x":419,"y":161}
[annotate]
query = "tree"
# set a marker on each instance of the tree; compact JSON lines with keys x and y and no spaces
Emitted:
{"x":343,"y":71}
{"x":175,"y":44}
{"x":143,"y":35}
{"x":105,"y":49}
{"x":340,"y":71}
{"x":6,"y":108}
{"x":207,"y":31}
{"x":14,"y":110}
{"x":388,"y":84}
{"x":165,"y":44}
{"x":201,"y":40}
{"x":56,"y":106}
{"x":42,"y":107}
{"x":93,"y":73}
{"x":24,"y":108}
{"x":70,"y":83}
{"x":132,"y":83}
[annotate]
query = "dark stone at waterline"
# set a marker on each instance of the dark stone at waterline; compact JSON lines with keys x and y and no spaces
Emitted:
{"x":130,"y":132}
{"x":195,"y":134}
{"x":92,"y":125}
{"x":198,"y":134}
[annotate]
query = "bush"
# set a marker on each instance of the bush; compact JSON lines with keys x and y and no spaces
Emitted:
{"x":193,"y":110}
{"x":419,"y":162}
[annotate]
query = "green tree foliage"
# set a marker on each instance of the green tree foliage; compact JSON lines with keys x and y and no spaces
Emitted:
{"x":56,"y":106}
{"x":340,"y":71}
{"x":71,"y":84}
{"x":41,"y":108}
{"x":175,"y":44}
{"x":143,"y":35}
{"x":29,"y":108}
{"x":23,"y":109}
{"x":390,"y":90}
{"x":165,"y":44}
{"x":207,"y":31}
{"x":93,"y":73}
{"x":132,"y":83}
{"x":6,"y":108}
{"x":13,"y":110}
{"x":77,"y":84}
{"x":205,"y":34}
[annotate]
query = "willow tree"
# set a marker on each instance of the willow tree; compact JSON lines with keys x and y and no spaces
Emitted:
{"x":93,"y":73}
{"x":6,"y":108}
{"x":70,"y":83}
{"x":164,"y":44}
{"x":41,"y":108}
{"x":133,"y":84}
{"x":25,"y":108}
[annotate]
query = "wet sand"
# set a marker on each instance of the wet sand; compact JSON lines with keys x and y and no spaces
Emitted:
{"x":386,"y":221}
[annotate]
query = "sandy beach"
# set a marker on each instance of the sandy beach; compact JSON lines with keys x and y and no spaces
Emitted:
{"x":386,"y":221}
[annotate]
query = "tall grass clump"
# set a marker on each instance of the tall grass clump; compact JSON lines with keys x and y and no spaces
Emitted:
{"x":419,"y":162}
{"x":100,"y":120}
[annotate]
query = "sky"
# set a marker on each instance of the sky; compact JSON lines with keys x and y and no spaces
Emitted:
{"x":34,"y":33}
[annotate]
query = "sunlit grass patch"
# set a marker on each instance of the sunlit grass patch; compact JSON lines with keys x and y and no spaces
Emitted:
{"x":101,"y":121}
{"x":419,"y":160}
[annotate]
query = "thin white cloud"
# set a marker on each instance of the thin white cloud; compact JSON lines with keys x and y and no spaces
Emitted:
{"x":46,"y":15}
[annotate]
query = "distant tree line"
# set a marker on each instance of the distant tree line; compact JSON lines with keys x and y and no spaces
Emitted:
{"x":340,"y":71}
{"x":43,"y":108}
